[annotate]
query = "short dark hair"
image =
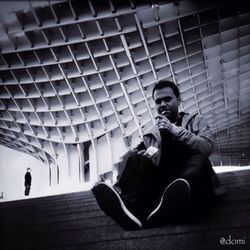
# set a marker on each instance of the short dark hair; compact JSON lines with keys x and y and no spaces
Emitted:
{"x":166,"y":84}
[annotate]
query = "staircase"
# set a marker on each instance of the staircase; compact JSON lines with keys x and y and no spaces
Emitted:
{"x":74,"y":221}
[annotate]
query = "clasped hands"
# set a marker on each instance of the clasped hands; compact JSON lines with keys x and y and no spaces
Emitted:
{"x":162,"y":122}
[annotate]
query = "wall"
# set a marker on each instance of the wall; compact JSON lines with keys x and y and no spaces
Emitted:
{"x":13,"y":165}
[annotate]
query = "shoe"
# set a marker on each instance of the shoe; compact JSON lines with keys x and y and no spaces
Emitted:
{"x":112,"y":204}
{"x":173,"y":201}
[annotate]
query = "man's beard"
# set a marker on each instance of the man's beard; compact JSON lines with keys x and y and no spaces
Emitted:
{"x":167,"y":113}
{"x":163,"y":110}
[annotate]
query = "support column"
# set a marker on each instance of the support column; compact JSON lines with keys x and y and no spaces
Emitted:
{"x":94,"y":177}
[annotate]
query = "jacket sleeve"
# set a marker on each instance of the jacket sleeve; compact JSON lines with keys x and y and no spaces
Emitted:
{"x":199,"y":140}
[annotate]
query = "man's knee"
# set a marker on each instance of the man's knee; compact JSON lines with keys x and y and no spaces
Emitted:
{"x":199,"y":159}
{"x":136,"y":160}
{"x":137,"y":165}
{"x":197,"y":167}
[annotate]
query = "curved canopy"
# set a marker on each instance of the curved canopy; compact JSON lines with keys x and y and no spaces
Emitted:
{"x":72,"y":71}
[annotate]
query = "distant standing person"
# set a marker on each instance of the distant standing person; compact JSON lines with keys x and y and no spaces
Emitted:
{"x":27,"y":182}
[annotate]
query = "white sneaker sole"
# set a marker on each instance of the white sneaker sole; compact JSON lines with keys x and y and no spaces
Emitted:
{"x":111,"y":203}
{"x":170,"y":201}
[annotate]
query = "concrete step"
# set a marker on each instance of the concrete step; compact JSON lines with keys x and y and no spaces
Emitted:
{"x":74,"y":221}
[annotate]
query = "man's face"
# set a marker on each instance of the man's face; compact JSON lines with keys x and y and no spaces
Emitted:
{"x":166,"y":103}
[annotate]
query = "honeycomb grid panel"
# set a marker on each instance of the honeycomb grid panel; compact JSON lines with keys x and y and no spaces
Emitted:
{"x":74,"y":71}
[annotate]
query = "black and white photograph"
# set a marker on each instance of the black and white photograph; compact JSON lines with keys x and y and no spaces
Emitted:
{"x":124,"y":125}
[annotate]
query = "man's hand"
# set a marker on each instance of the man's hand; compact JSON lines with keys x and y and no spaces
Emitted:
{"x":150,"y":152}
{"x":141,"y":152}
{"x":162,"y":122}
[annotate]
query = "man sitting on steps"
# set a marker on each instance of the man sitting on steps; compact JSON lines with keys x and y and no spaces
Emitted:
{"x":167,"y":172}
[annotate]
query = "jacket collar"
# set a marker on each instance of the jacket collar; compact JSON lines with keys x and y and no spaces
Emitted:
{"x":187,"y":118}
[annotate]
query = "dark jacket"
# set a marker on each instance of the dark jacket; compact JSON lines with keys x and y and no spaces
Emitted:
{"x":194,"y":133}
{"x":27,"y":179}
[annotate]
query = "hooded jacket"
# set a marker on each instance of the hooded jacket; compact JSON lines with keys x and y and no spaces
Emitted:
{"x":194,"y":133}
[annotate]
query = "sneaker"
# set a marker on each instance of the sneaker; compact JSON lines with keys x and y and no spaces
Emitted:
{"x":173,"y":201}
{"x":112,"y":204}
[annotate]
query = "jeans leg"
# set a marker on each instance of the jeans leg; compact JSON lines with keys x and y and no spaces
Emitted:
{"x":139,"y":183}
{"x":197,"y":171}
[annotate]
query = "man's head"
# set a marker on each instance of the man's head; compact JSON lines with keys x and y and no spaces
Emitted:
{"x":28,"y":169}
{"x":167,"y":99}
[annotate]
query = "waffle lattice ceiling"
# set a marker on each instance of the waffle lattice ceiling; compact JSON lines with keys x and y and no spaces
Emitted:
{"x":73,"y":71}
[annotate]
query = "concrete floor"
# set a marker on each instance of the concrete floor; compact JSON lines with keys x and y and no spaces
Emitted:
{"x":74,"y":221}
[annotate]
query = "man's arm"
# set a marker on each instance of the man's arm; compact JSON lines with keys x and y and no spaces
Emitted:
{"x":201,"y":142}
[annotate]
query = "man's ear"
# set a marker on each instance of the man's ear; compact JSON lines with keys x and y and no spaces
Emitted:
{"x":179,"y":100}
